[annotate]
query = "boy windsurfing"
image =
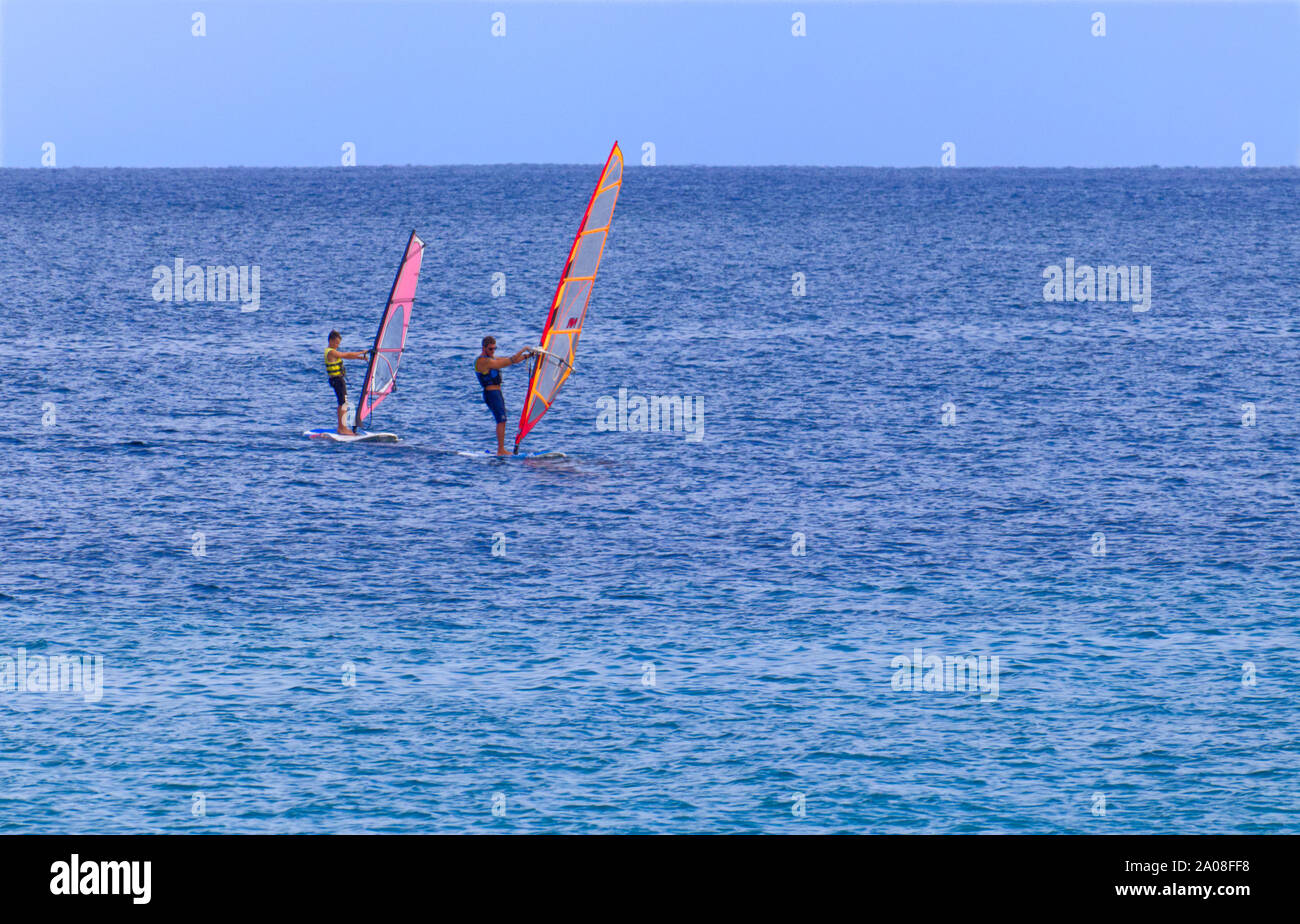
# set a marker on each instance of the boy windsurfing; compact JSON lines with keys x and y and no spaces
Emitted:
{"x":334,"y":368}
{"x":488,"y":369}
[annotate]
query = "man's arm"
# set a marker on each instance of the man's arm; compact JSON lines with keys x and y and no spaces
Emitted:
{"x":501,"y":362}
{"x":362,"y":355}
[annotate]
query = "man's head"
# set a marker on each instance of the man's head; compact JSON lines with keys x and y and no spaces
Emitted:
{"x":335,"y":338}
{"x":489,"y":345}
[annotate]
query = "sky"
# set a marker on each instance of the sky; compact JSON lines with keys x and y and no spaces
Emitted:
{"x":290,"y":82}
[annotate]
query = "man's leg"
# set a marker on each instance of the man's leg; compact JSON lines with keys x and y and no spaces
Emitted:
{"x":497,"y":404}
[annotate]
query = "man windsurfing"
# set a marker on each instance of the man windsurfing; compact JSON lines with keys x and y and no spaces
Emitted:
{"x":334,"y":368}
{"x":488,"y":369}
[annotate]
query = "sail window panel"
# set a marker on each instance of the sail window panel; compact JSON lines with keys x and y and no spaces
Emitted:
{"x":385,"y":372}
{"x":614,"y":173}
{"x":552,"y":369}
{"x":394,"y":331}
{"x":573,"y":303}
{"x":602,"y":209}
{"x":587,"y":258}
{"x":560,"y":345}
{"x":549,"y":381}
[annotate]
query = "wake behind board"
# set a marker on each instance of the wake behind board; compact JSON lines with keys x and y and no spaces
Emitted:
{"x":324,"y":433}
{"x":489,"y":454}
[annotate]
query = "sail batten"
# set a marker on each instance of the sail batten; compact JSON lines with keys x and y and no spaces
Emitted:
{"x":390,"y":339}
{"x":568,"y":310}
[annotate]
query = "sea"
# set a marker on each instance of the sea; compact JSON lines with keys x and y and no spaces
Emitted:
{"x":935,"y":551}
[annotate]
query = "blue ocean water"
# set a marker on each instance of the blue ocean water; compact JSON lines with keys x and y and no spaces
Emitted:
{"x":300,"y":637}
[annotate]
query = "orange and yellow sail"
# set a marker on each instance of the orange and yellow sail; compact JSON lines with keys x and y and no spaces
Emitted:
{"x":569,"y":305}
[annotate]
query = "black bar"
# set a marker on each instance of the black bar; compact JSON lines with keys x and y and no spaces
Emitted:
{"x":945,"y":874}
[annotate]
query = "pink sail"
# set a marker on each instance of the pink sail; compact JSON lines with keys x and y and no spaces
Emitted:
{"x":390,"y":340}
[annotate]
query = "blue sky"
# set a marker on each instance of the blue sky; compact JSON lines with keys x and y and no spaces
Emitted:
{"x":287,"y":82}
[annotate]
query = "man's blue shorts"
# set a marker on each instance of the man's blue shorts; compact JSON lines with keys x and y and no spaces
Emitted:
{"x":496,"y":404}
